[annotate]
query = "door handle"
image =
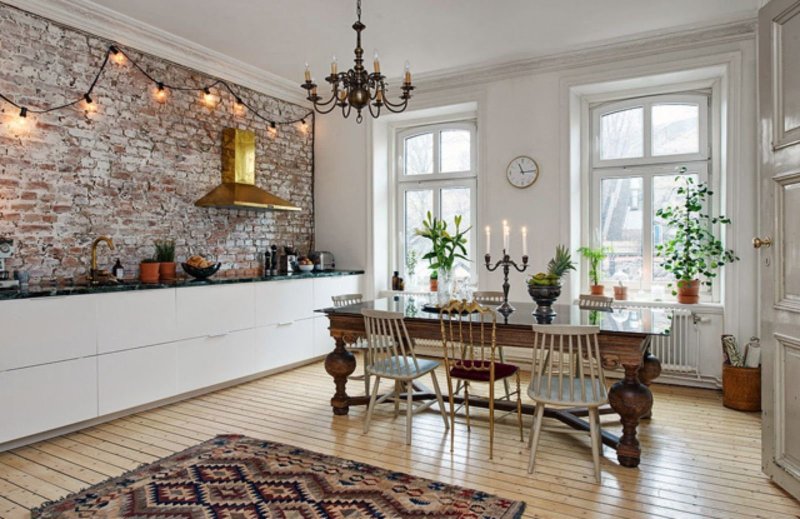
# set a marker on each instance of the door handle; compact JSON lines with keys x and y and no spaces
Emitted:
{"x":758,"y":242}
{"x":286,"y":323}
{"x":217,"y":335}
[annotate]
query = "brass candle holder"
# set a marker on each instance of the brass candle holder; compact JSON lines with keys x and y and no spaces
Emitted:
{"x":505,"y":309}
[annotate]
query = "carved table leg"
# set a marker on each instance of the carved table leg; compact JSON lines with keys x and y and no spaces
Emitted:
{"x":648,"y":372}
{"x":631,"y":400}
{"x":340,"y":364}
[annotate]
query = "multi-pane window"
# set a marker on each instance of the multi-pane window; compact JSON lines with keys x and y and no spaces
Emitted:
{"x":638,"y":145}
{"x":436,"y":172}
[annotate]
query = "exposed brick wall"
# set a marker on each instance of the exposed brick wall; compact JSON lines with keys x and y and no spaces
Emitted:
{"x":133,"y":169}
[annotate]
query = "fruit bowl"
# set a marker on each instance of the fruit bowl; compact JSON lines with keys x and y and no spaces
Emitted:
{"x":545,"y":296}
{"x":201,"y":273}
{"x":306,"y":268}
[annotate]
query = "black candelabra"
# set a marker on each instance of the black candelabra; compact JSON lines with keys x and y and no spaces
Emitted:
{"x":506,"y":309}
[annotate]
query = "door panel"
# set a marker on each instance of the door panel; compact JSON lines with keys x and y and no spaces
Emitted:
{"x":788,"y":444}
{"x":788,"y":241}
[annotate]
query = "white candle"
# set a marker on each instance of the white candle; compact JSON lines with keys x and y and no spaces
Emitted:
{"x":488,"y":239}
{"x":524,"y":241}
{"x":506,"y":230}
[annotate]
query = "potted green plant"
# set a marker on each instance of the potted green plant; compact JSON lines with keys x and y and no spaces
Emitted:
{"x":694,"y":254}
{"x":148,"y":270}
{"x":595,"y":256}
{"x":445,"y":249}
{"x":545,"y":287}
{"x":411,"y":266}
{"x":165,"y":255}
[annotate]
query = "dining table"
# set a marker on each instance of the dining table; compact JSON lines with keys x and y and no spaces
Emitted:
{"x":624,"y":338}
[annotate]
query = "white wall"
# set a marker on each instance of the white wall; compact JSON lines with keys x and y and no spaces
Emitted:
{"x":530,"y":115}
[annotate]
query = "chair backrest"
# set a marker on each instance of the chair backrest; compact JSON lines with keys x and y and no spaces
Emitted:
{"x":595,"y":302}
{"x":487,"y":297}
{"x":388,"y":341}
{"x":566,"y":365}
{"x":347,"y":299}
{"x":469,"y":336}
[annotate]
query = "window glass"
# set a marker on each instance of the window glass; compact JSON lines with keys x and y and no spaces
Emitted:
{"x":455,"y":151}
{"x":664,"y":194}
{"x":622,"y":134}
{"x":457,"y":201}
{"x":676,"y":129}
{"x":417,"y":204}
{"x":621,"y":226}
{"x":419,"y":154}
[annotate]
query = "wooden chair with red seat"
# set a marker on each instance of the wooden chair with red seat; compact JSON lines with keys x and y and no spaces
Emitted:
{"x":470,"y":356}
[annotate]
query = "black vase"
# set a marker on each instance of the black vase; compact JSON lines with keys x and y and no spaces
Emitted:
{"x":545,"y":296}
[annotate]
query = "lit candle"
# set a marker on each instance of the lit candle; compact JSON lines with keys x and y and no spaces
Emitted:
{"x":524,"y":241}
{"x":488,"y":239}
{"x":308,"y":74}
{"x":506,"y":230}
{"x":408,"y":73}
{"x":334,"y":66}
{"x":376,"y":63}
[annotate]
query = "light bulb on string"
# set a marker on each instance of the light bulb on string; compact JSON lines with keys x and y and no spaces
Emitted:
{"x":209,"y":99}
{"x":88,"y":103}
{"x":273,"y":129}
{"x":238,"y":106}
{"x":117,"y":56}
{"x":160,"y":93}
{"x":19,"y":124}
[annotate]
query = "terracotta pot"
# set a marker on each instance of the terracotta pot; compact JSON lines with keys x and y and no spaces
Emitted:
{"x":597,"y":290}
{"x":434,"y":285}
{"x":620,"y":293}
{"x":148,"y":272}
{"x":167,"y":270}
{"x":689,"y":292}
{"x":741,"y":388}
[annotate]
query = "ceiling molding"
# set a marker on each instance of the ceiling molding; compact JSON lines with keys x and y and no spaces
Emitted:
{"x":657,"y":42}
{"x":98,"y":20}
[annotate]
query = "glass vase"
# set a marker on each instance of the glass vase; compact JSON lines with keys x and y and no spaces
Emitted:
{"x":444,"y":290}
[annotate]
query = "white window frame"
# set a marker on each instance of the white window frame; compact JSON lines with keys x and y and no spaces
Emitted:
{"x":436,"y":181}
{"x":647,"y":167}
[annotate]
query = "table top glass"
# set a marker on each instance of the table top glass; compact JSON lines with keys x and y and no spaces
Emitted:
{"x":643,"y":321}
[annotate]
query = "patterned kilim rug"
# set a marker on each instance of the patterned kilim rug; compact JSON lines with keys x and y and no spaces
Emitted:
{"x":235,"y":477}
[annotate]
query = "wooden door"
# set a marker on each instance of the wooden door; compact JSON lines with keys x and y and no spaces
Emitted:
{"x":779,"y":243}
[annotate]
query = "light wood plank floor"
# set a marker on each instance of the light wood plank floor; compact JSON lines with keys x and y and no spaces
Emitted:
{"x":701,"y":460}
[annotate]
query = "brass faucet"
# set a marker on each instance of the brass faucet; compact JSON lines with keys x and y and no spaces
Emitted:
{"x":94,"y":274}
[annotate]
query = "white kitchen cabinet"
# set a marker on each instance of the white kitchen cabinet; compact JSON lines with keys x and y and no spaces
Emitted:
{"x":284,"y":301}
{"x":133,"y":319}
{"x":283,"y":344}
{"x":212,"y":310}
{"x":131,"y":378}
{"x":46,"y":397}
{"x":210,"y":360}
{"x":49,"y":329}
{"x":323,"y":342}
{"x":326,"y":288}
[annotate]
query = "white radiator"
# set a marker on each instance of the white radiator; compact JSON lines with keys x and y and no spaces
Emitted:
{"x":679,"y":352}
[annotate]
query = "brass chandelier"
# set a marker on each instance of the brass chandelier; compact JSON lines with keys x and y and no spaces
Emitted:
{"x":358,"y":88}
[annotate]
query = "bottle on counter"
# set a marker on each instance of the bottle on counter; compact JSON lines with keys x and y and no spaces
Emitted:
{"x":401,"y":284}
{"x":396,"y":280}
{"x":268,"y":262}
{"x":118,"y":270}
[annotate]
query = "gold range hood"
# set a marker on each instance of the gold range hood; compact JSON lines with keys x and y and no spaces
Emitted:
{"x":238,"y":189}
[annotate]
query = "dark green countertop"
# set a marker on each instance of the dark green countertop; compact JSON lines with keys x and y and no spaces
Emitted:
{"x":36,"y":291}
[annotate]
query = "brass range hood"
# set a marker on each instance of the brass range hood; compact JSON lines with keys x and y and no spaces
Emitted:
{"x":238,"y":189}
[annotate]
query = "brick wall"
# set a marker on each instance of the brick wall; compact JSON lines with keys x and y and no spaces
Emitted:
{"x":133,"y":168}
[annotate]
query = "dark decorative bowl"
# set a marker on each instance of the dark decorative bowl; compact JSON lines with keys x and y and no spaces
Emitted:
{"x":545,"y":296}
{"x":199,"y":273}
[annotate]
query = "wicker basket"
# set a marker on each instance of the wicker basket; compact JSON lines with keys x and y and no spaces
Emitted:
{"x":741,"y":388}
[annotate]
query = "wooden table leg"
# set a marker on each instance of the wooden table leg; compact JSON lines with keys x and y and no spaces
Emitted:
{"x":340,"y":364}
{"x":648,"y":372}
{"x":631,"y":400}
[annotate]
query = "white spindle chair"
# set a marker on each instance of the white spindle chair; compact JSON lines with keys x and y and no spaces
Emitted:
{"x":486,"y":298}
{"x":567,"y":372}
{"x":391,"y":354}
{"x":591,"y":302}
{"x":360,"y":344}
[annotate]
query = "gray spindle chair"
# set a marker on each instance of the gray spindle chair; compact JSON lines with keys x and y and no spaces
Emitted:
{"x":469,"y":333}
{"x":567,"y":372}
{"x":486,"y":298}
{"x":360,"y":344}
{"x":592,"y":302}
{"x":391,"y":353}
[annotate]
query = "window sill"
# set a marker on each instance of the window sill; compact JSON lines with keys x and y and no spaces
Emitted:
{"x":667,"y":301}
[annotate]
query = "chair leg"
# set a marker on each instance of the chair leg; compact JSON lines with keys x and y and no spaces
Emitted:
{"x":537,"y":429}
{"x":519,"y":410}
{"x":594,"y":431}
{"x":533,"y":427}
{"x":397,"y":398}
{"x":452,"y":411}
{"x":505,"y":380}
{"x":491,"y":419}
{"x":409,"y":410}
{"x":371,"y":406}
{"x":439,"y":398}
{"x":366,"y":373}
{"x":466,"y":402}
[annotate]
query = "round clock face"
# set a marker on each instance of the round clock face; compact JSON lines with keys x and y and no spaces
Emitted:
{"x":522,"y":172}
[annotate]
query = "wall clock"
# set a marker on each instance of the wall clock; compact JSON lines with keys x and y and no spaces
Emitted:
{"x":522,"y":172}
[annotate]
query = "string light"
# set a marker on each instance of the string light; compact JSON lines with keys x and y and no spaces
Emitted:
{"x":161,"y":94}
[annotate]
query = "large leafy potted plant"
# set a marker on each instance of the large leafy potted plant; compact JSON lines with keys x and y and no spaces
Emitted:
{"x":545,"y":287}
{"x":445,"y":249}
{"x":694,"y":254}
{"x":595,"y":255}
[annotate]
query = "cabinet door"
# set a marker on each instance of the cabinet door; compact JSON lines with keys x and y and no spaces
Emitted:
{"x":47,"y":397}
{"x":213,"y":360}
{"x":283,"y":344}
{"x":211,"y":310}
{"x":51,"y":329}
{"x":132,"y":319}
{"x":323,"y":342}
{"x":326,"y":288}
{"x":135,"y":377}
{"x":284,"y":301}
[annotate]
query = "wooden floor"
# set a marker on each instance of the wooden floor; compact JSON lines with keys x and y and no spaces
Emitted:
{"x":701,"y":460}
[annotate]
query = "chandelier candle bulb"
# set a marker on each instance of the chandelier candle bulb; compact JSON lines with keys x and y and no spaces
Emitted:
{"x":308,"y":74}
{"x":376,"y":63}
{"x":488,"y":239}
{"x":506,"y":240}
{"x":524,"y":241}
{"x":334,"y":66}
{"x":407,"y":74}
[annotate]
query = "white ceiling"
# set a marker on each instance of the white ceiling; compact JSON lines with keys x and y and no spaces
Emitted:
{"x":279,"y":36}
